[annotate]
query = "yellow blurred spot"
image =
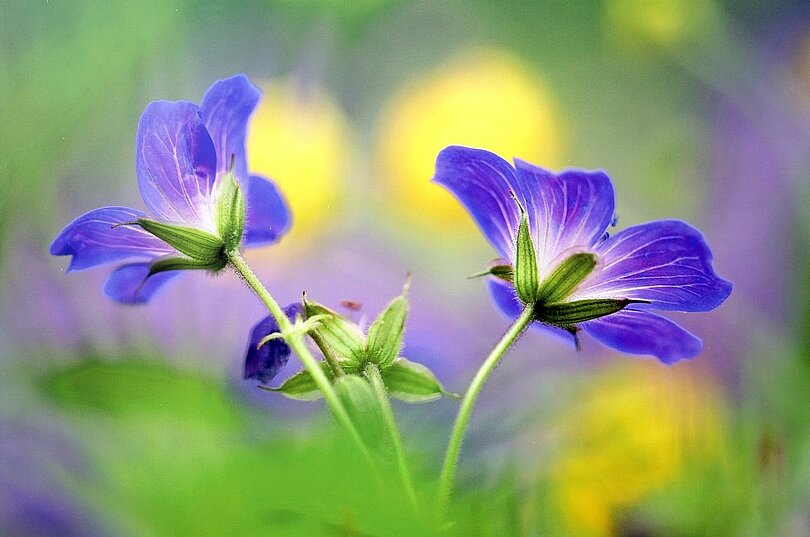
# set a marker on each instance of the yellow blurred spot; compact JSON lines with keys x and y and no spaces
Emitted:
{"x":630,"y":433}
{"x":488,"y":100}
{"x":661,"y":22}
{"x":299,"y":137}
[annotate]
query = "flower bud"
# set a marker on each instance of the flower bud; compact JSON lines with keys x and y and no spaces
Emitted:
{"x":385,"y":334}
{"x":262,"y":362}
{"x":342,"y":337}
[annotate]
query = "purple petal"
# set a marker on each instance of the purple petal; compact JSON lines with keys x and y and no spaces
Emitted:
{"x":570,"y":209}
{"x":128,"y":284}
{"x":643,"y":332}
{"x":481,"y":181}
{"x":667,"y":263}
{"x":176,"y":163}
{"x":263,"y":363}
{"x":267,"y":216}
{"x":225,"y":110}
{"x":503,"y":294}
{"x":92,"y":240}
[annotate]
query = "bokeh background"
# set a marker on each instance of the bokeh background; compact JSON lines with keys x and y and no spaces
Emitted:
{"x":135,"y":421}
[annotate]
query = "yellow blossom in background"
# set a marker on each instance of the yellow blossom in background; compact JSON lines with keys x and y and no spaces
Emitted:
{"x":659,"y":22}
{"x":299,"y":137}
{"x":632,"y":431}
{"x":484,"y":99}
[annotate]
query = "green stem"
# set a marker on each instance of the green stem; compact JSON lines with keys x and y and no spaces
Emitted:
{"x":464,"y":412}
{"x":296,"y":341}
{"x":373,"y":374}
{"x":334,"y":365}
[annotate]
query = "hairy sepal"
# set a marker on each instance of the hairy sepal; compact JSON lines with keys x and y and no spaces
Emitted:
{"x":343,"y":338}
{"x":231,"y":212}
{"x":411,"y":382}
{"x":195,"y":243}
{"x":301,"y":386}
{"x":384,"y":339}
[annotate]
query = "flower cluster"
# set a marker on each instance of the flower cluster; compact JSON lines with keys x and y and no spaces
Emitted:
{"x":347,"y":350}
{"x":559,"y":270}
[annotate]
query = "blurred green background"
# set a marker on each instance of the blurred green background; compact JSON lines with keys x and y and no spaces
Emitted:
{"x":135,"y":421}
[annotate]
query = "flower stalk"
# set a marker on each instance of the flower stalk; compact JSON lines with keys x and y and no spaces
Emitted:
{"x":376,"y":380}
{"x":467,"y":404}
{"x":296,"y":340}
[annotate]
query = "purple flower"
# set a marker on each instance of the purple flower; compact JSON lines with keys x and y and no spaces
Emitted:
{"x":263,"y":363}
{"x":183,"y":152}
{"x":663,"y":265}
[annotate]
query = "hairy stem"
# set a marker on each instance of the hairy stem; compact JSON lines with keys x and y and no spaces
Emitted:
{"x":334,"y":365}
{"x":296,"y":341}
{"x":464,"y":412}
{"x":373,"y":375}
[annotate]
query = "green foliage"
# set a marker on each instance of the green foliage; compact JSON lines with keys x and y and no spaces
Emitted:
{"x":136,"y":389}
{"x":71,"y":72}
{"x":177,"y":454}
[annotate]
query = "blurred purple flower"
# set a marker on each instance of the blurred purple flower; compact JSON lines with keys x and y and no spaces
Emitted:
{"x":262,"y":363}
{"x":182,"y":152}
{"x":35,"y":497}
{"x":666,"y":264}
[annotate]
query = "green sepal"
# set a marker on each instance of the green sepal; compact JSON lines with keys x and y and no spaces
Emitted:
{"x":231,"y":211}
{"x":568,"y":314}
{"x":301,"y":386}
{"x":343,"y":338}
{"x":504,"y":272}
{"x":199,"y":245}
{"x":499,"y":268}
{"x":526,"y":276}
{"x":300,"y":327}
{"x":565,"y":278}
{"x":384,"y":339}
{"x":363,"y":407}
{"x":411,"y":382}
{"x":184,"y":263}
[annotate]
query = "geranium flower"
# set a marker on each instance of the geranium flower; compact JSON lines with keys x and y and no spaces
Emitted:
{"x":263,"y":359}
{"x":190,"y":161}
{"x":587,"y":280}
